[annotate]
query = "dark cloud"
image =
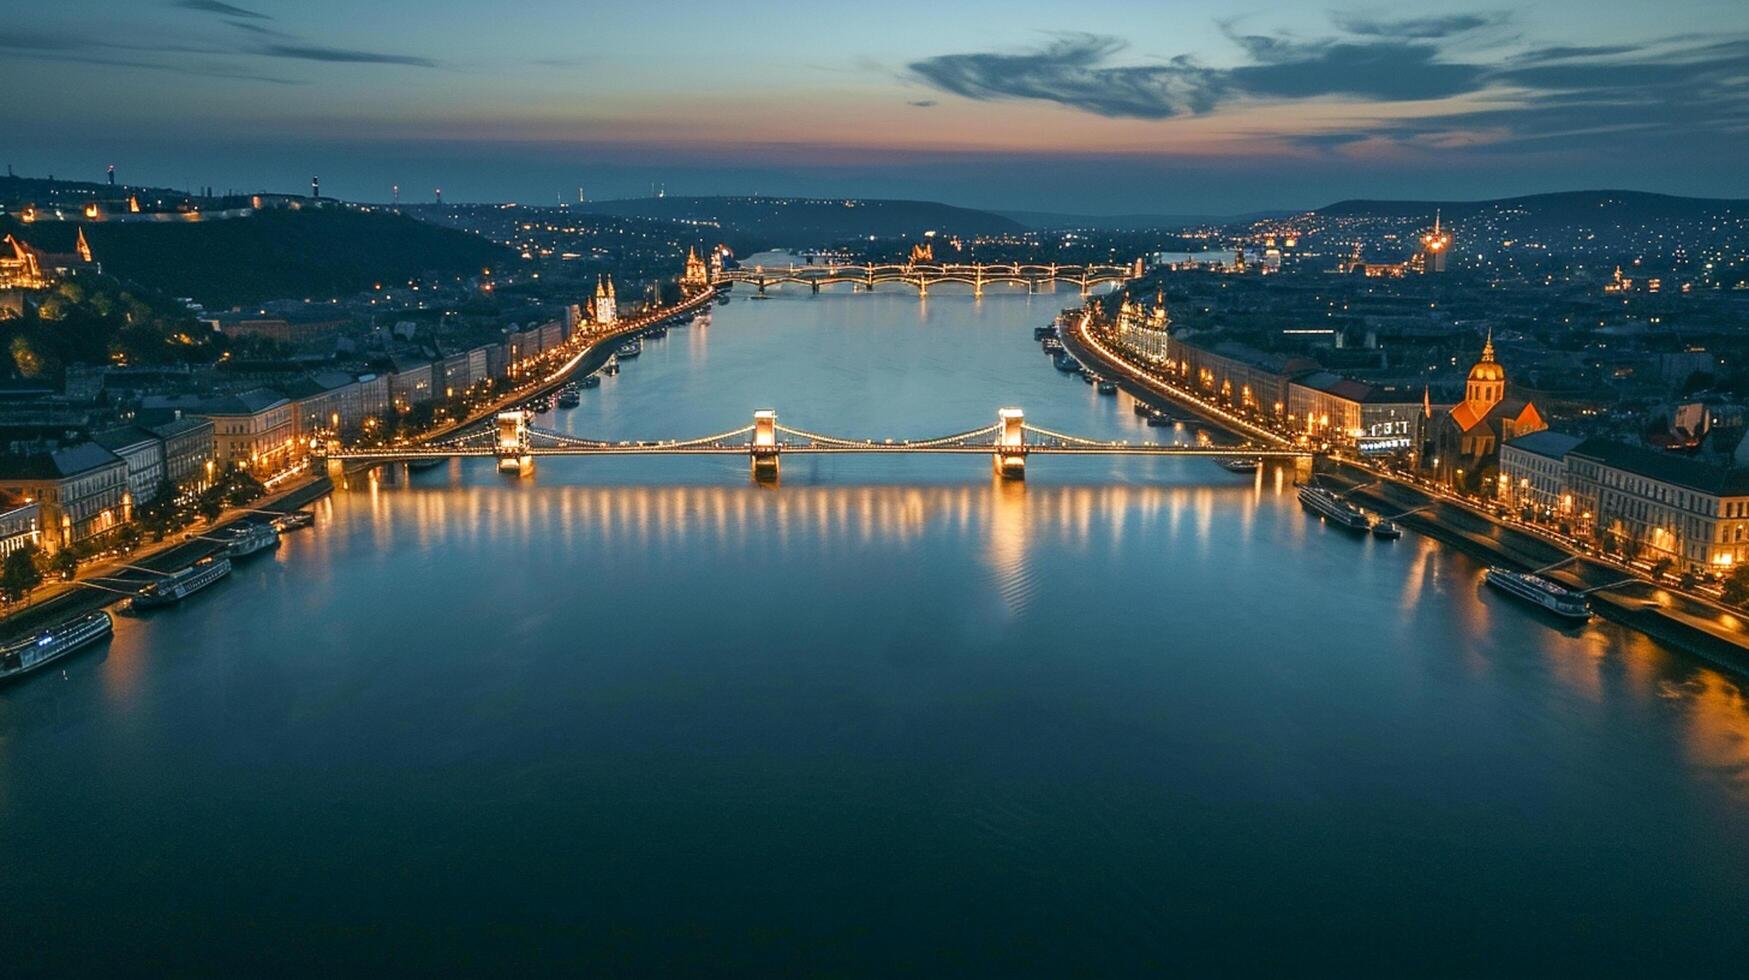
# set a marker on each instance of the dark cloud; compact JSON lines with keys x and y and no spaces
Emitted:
{"x":923,"y":103}
{"x":222,"y":9}
{"x":1388,"y":71}
{"x":1591,"y":99}
{"x":312,"y":52}
{"x":243,"y":25}
{"x":1071,"y":70}
{"x":1416,"y":28}
{"x":1328,"y":141}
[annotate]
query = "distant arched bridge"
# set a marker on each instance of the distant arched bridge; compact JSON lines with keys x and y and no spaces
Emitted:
{"x":923,"y":275}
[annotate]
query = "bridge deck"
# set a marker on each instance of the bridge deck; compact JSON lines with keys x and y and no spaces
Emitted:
{"x":634,"y":449}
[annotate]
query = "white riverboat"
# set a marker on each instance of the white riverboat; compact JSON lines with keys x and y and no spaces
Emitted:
{"x":1546,"y":593}
{"x":1333,"y":508}
{"x":182,"y":583}
{"x":53,"y":643}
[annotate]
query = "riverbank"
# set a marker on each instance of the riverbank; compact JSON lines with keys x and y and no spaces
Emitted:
{"x":56,"y":601}
{"x":1696,"y":625}
{"x":82,"y":595}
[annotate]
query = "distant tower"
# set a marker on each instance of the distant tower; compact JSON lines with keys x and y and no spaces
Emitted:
{"x":606,"y":304}
{"x":696,"y":275}
{"x":440,"y":195}
{"x":112,"y":175}
{"x":1434,"y":246}
{"x":315,"y":187}
{"x":395,"y":192}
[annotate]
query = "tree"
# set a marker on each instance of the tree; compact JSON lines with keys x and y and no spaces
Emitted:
{"x":19,"y":574}
{"x":1737,"y":585}
{"x":65,"y":563}
{"x":1661,"y":567}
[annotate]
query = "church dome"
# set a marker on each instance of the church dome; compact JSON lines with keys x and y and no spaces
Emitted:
{"x":1488,"y":369}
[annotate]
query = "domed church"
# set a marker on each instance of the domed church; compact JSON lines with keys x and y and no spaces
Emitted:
{"x":1466,"y":440}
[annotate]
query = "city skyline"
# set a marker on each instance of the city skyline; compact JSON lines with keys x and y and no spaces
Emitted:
{"x":1117,"y":109}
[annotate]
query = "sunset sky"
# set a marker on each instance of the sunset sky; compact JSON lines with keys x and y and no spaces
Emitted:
{"x":1098,"y":107}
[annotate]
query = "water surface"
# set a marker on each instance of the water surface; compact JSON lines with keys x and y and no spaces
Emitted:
{"x":644,"y":715}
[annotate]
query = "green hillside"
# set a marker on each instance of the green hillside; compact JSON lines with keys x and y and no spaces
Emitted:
{"x":274,"y":254}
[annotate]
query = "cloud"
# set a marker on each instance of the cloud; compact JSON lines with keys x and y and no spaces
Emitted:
{"x":222,"y":9}
{"x":1328,"y":141}
{"x":923,"y":103}
{"x":1587,"y":100}
{"x":1422,"y":28}
{"x":312,"y":52}
{"x":1071,"y":70}
{"x":1386,"y":71}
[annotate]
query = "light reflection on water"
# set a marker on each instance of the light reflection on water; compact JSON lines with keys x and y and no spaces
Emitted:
{"x":891,"y":712}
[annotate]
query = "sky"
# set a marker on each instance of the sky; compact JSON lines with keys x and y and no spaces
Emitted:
{"x":1093,"y":107}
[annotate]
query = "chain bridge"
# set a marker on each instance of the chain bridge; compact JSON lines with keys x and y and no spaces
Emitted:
{"x":515,"y":444}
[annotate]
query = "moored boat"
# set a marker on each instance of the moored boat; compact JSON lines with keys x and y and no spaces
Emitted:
{"x":590,"y":381}
{"x":612,"y":365}
{"x":421,"y":465}
{"x":569,"y":397}
{"x":1388,"y":529}
{"x":1333,"y":508}
{"x":1066,"y":364}
{"x":1048,"y":330}
{"x":1242,"y":465}
{"x":631,"y":348}
{"x":53,"y":643}
{"x":1106,"y":386}
{"x":182,"y":583}
{"x":1160,"y":419}
{"x":1544,"y":593}
{"x":294,"y":519}
{"x":251,"y":538}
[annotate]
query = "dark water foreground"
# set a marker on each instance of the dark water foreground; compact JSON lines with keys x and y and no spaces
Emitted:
{"x":644,"y":716}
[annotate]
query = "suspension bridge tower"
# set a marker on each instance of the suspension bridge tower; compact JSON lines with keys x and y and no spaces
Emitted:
{"x":765,"y":447}
{"x":1010,"y":457}
{"x":512,"y":445}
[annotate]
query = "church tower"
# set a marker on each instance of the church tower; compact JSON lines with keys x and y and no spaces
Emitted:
{"x":1487,"y":383}
{"x":606,"y":311}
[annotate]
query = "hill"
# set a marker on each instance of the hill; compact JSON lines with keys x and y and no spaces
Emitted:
{"x":1564,"y":207}
{"x":1053,"y":221}
{"x":806,"y":222}
{"x":314,"y":252}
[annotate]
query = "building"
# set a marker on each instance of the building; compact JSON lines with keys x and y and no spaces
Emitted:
{"x":80,"y":490}
{"x":143,"y":451}
{"x":411,"y":383}
{"x":253,"y":431}
{"x":1142,"y":332}
{"x":1235,"y":375}
{"x":1653,"y":505}
{"x":1372,"y":419}
{"x":188,"y":453}
{"x":19,"y":524}
{"x":1533,"y":475}
{"x":697,"y":274}
{"x":1466,"y":440}
{"x":1435,"y":246}
{"x":606,"y":304}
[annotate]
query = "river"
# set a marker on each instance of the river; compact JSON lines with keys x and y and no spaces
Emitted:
{"x":889,"y":715}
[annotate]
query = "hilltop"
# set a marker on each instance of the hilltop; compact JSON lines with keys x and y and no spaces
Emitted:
{"x":277,"y":253}
{"x":1568,"y":207}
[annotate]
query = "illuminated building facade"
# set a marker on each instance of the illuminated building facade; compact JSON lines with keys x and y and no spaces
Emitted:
{"x":1654,"y":505}
{"x":606,"y":305}
{"x":81,"y":491}
{"x":697,"y":275}
{"x":1143,"y":331}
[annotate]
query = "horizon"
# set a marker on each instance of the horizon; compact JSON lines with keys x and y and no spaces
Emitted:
{"x":1015,"y":108}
